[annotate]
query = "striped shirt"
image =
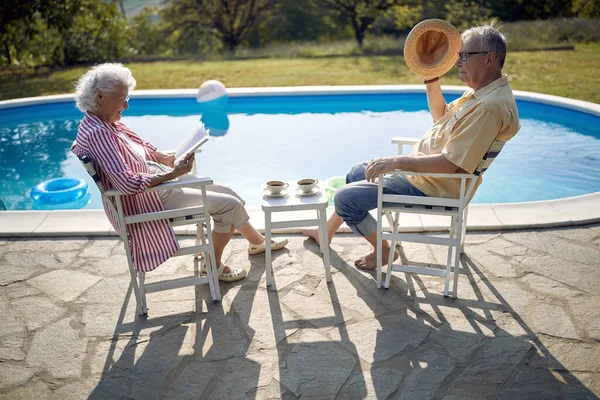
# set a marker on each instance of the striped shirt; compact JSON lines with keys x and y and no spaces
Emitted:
{"x":121,"y":167}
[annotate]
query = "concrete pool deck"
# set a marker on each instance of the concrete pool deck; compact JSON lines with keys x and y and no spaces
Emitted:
{"x":525,"y":325}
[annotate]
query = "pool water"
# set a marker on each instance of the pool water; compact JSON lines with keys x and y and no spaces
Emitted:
{"x":554,"y":155}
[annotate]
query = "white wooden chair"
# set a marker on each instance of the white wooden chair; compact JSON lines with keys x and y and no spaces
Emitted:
{"x":391,"y":206}
{"x":177,"y":217}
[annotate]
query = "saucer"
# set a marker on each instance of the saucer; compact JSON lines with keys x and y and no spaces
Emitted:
{"x":280,"y":194}
{"x":301,"y":193}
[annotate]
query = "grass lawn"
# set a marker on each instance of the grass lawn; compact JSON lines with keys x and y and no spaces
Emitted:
{"x":571,"y":74}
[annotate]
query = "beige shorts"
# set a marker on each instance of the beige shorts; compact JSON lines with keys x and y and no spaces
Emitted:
{"x":225,"y":206}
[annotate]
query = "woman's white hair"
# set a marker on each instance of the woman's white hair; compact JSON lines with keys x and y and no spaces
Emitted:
{"x":104,"y":78}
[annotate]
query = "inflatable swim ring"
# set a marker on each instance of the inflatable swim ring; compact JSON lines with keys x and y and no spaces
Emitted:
{"x":72,"y":205}
{"x":59,"y":190}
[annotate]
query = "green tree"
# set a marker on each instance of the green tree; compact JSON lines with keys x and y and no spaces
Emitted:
{"x":293,"y":20}
{"x":464,"y":14}
{"x":361,"y":13}
{"x":62,"y":32}
{"x":147,"y":32}
{"x":586,"y":8}
{"x":230,"y":21}
{"x":16,"y":19}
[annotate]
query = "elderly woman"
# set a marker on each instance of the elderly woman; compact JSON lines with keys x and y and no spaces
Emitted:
{"x":131,"y":165}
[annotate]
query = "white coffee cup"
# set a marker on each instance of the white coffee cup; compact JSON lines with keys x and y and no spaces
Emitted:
{"x":276,"y":187}
{"x":307,"y":185}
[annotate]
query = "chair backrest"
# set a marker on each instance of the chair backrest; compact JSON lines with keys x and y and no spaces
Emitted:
{"x":489,"y":157}
{"x":89,"y":167}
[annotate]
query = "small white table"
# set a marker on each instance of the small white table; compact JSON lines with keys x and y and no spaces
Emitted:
{"x":292,"y":200}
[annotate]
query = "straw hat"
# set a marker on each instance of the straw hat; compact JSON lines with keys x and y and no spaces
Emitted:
{"x":431,"y":47}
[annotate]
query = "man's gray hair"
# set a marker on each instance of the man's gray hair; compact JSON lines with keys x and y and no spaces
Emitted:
{"x":490,"y":38}
{"x":104,"y":78}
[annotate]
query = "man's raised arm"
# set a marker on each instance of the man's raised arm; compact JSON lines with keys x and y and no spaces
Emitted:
{"x":435,"y":99}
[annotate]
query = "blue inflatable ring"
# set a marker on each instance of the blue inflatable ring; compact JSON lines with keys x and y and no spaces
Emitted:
{"x":59,"y":190}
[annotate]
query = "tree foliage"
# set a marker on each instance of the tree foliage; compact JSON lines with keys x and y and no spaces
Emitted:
{"x":230,"y":21}
{"x":68,"y":32}
{"x":361,"y":13}
{"x":466,"y":13}
{"x":61,"y":32}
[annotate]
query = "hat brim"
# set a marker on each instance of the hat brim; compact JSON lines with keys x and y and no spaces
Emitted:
{"x":431,"y":47}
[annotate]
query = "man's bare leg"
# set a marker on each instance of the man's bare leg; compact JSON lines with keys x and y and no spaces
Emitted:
{"x":369,"y":262}
{"x":333,"y":224}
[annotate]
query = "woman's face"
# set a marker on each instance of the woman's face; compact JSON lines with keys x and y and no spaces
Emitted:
{"x":111,"y":104}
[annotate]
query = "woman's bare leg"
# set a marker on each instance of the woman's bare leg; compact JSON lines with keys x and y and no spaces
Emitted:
{"x":251,"y":234}
{"x":220,"y":240}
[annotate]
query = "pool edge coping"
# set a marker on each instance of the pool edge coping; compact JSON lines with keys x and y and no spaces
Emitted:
{"x":570,"y":211}
{"x":573,"y":104}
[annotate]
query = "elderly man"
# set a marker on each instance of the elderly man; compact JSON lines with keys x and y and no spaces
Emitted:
{"x":460,"y":136}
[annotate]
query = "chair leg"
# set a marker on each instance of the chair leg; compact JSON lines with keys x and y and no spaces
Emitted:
{"x":452,"y":235}
{"x":464,"y":230}
{"x":324,"y":239}
{"x":209,"y":259}
{"x":140,"y":297}
{"x":379,"y":248}
{"x":269,"y":276}
{"x":200,"y":238}
{"x":459,"y":232}
{"x":390,"y":266}
{"x":142,"y":279}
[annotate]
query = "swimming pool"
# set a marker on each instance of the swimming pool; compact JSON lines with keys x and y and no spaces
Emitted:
{"x":292,"y":134}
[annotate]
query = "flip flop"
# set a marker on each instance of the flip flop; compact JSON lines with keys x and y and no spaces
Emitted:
{"x":276,"y":244}
{"x":234,"y":275}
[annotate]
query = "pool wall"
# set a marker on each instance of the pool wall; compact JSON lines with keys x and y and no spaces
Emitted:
{"x":507,"y":216}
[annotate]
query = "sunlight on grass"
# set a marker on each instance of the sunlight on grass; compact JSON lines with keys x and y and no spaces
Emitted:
{"x":564,"y":73}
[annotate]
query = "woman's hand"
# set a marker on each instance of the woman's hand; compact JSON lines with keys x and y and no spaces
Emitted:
{"x":165,"y":159}
{"x":184,"y":165}
{"x":169,"y":160}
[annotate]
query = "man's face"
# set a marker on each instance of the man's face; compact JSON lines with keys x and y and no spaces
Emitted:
{"x":471,"y":70}
{"x":113,"y":103}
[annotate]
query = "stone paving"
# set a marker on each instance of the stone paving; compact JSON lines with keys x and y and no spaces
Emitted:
{"x":526,"y":325}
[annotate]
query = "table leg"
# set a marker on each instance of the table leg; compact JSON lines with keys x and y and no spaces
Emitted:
{"x":323,"y":238}
{"x":268,"y":262}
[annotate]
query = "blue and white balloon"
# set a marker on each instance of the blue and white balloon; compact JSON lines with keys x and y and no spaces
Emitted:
{"x":212,"y":95}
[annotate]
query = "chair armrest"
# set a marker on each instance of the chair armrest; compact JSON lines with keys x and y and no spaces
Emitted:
{"x":404,"y":140}
{"x":401,"y":141}
{"x":433,"y":174}
{"x":195,"y":182}
{"x":169,"y":185}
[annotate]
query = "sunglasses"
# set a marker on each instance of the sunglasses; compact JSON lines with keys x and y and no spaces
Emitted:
{"x":463,"y":55}
{"x":123,"y":101}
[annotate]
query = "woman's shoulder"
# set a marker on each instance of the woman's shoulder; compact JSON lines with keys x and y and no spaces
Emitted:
{"x":90,"y":126}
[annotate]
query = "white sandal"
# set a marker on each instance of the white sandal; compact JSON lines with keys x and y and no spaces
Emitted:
{"x":276,"y":244}
{"x":234,"y":275}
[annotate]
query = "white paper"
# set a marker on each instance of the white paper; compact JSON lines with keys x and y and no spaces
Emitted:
{"x":197,"y":138}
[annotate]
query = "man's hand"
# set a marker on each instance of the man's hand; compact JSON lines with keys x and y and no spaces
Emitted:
{"x":379,"y":166}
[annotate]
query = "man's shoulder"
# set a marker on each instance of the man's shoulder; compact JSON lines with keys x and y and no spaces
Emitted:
{"x":500,"y":99}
